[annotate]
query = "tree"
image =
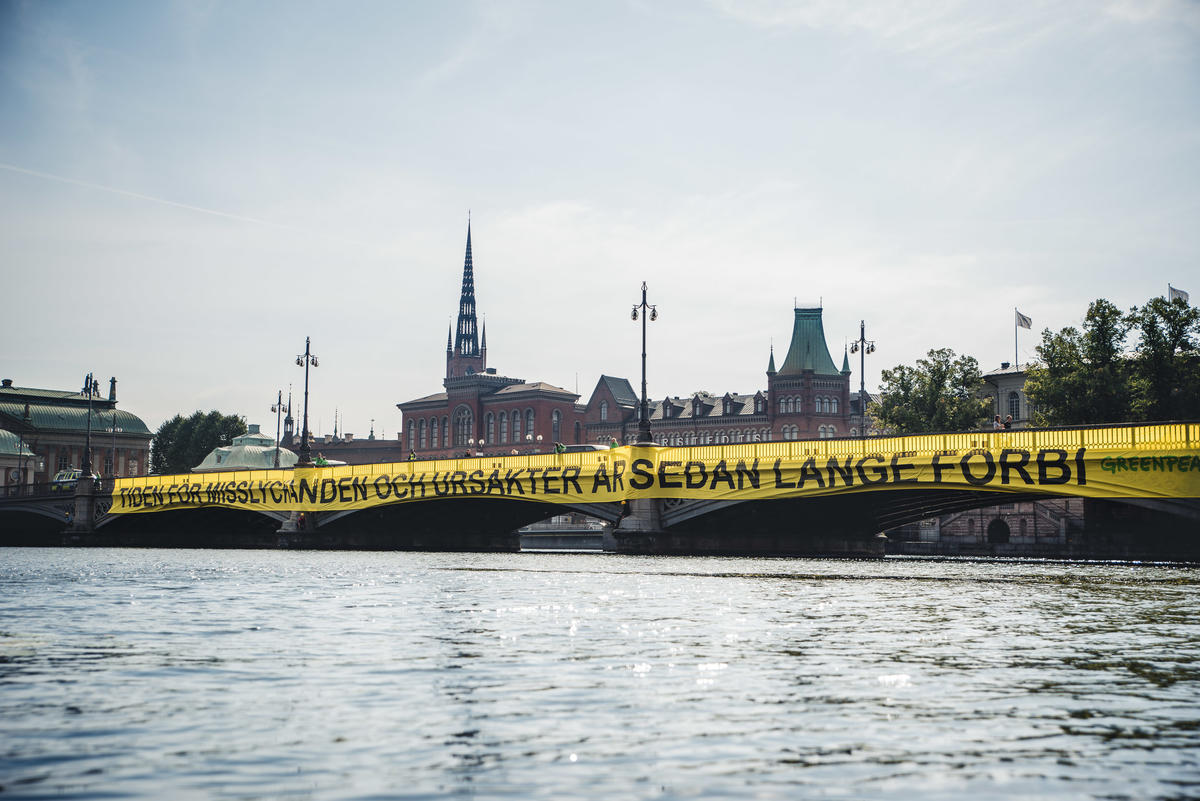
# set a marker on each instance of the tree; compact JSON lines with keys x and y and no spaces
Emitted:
{"x":1085,"y":377}
{"x":939,"y":394}
{"x":182,"y":443}
{"x":1165,"y":375}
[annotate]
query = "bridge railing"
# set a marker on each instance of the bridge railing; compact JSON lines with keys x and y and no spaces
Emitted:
{"x":1122,"y":437}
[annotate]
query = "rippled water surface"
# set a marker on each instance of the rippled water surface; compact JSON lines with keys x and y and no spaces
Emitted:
{"x":267,"y":674}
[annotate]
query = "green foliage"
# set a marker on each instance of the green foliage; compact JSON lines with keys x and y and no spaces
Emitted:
{"x":182,"y":443}
{"x":938,"y":394}
{"x":1086,"y":377}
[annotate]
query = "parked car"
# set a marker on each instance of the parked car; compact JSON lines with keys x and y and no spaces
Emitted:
{"x":65,"y":480}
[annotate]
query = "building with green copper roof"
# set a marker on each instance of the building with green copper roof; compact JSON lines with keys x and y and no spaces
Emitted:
{"x":53,"y":424}
{"x":810,"y":396}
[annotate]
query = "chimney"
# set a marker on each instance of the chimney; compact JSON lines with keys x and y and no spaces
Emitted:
{"x":6,"y":383}
{"x":347,"y":437}
{"x":1003,"y":365}
{"x":112,"y":389}
{"x":328,"y":438}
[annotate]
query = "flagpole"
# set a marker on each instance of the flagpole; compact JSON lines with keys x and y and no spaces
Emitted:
{"x":1015,"y":351}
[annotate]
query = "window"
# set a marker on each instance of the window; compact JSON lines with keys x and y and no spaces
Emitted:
{"x":833,"y":403}
{"x":464,"y":426}
{"x":422,"y":427}
{"x":1014,"y":405}
{"x":603,"y":411}
{"x":529,"y":421}
{"x":783,"y":405}
{"x":445,"y":432}
{"x":556,"y":426}
{"x":516,"y":423}
{"x":798,"y":407}
{"x":504,"y":426}
{"x":433,"y":432}
{"x":411,"y":437}
{"x":491,"y":428}
{"x":133,"y":467}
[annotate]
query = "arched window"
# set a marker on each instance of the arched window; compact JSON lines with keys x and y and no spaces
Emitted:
{"x":516,"y":421}
{"x":578,"y":432}
{"x":412,"y":442}
{"x":491,"y":428}
{"x":1014,"y":405}
{"x":529,"y":421}
{"x":832,"y":431}
{"x":783,"y":405}
{"x":422,"y":428}
{"x":833,"y":405}
{"x":854,"y":432}
{"x":603,"y":411}
{"x":799,"y":407}
{"x":433,"y":432}
{"x":464,"y":425}
{"x":504,"y":426}
{"x":445,"y":432}
{"x":556,"y":426}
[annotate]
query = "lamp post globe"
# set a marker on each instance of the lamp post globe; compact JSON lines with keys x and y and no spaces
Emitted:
{"x":305,"y":360}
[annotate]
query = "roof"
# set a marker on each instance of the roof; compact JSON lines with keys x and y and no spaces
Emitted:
{"x":711,"y":406}
{"x":620,"y":389}
{"x":537,"y":386}
{"x":1006,"y":369}
{"x":12,"y":445}
{"x":245,"y":457}
{"x":808,"y":349}
{"x":69,"y":412}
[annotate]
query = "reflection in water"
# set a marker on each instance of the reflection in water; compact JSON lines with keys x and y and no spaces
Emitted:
{"x":222,"y":674}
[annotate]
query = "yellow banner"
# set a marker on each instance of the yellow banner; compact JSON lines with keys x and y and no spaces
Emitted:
{"x":1013,"y":462}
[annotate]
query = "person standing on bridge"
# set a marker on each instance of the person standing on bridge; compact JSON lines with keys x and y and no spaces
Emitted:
{"x":997,"y":424}
{"x":1008,"y":421}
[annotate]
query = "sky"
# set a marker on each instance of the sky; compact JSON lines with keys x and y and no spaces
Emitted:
{"x":188,"y":190}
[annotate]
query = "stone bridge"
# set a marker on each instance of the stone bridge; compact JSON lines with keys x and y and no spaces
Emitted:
{"x":802,"y":497}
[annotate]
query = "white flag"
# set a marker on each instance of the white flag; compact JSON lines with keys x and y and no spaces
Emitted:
{"x":1023,"y":321}
{"x":1173,"y":293}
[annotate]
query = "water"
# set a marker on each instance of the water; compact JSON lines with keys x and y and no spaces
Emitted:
{"x":306,"y":675}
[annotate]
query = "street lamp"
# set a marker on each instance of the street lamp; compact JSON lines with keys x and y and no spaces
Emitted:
{"x":644,"y":437}
{"x":91,"y":389}
{"x":304,"y":360}
{"x":530,"y":438}
{"x":279,"y":407}
{"x":862,"y":346}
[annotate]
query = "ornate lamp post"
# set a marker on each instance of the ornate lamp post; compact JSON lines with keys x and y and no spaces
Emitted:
{"x":304,"y":360}
{"x":279,"y":407}
{"x":644,"y":436}
{"x":530,"y":439}
{"x":862,"y":346}
{"x":91,"y":389}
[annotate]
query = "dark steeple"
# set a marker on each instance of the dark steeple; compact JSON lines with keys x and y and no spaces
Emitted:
{"x":466,"y":341}
{"x":466,"y":357}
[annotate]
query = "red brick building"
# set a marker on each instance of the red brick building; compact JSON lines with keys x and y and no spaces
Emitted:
{"x":482,"y":412}
{"x":479,"y":410}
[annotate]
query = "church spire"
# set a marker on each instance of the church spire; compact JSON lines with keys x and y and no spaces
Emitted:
{"x":465,"y":356}
{"x":466,"y":340}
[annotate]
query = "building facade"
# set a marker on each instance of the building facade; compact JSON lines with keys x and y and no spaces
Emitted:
{"x":53,"y":425}
{"x":1004,"y":389}
{"x":482,"y":412}
{"x":806,"y":398}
